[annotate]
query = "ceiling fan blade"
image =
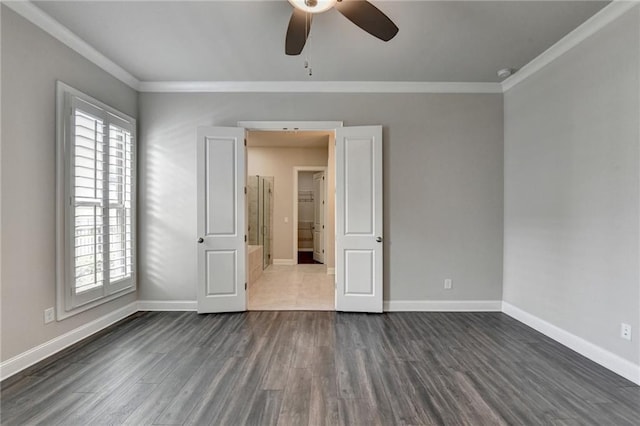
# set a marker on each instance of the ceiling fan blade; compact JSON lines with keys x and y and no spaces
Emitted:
{"x":368,"y":17}
{"x":297,"y":32}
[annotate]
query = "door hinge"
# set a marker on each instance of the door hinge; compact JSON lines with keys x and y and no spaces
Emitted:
{"x":322,"y":226}
{"x":245,"y":238}
{"x":245,"y":141}
{"x":245,"y":286}
{"x":323,"y":250}
{"x":245,"y":190}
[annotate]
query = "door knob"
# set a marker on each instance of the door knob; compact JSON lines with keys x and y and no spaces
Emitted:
{"x":379,"y":239}
{"x":200,"y":240}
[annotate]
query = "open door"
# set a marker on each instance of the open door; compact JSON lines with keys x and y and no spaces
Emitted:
{"x":318,"y":216}
{"x":359,"y":219}
{"x":221,"y":219}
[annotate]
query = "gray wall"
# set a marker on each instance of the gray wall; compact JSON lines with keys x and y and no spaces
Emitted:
{"x":443,"y":182}
{"x":31,"y":63}
{"x":572,"y":188}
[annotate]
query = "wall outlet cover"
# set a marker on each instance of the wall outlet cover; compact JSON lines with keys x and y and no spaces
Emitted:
{"x":625,"y":331}
{"x":49,"y":315}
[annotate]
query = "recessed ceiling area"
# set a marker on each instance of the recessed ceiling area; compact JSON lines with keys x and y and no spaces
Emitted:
{"x":438,"y":41}
{"x":288,"y":139}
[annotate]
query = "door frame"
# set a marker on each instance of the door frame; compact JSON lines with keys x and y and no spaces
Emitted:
{"x":296,"y":170}
{"x":284,"y":126}
{"x":280,"y":126}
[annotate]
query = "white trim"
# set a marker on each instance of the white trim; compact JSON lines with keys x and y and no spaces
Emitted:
{"x":317,"y":87}
{"x":605,"y":16}
{"x":306,"y":250}
{"x":595,"y":353}
{"x":279,"y":126}
{"x":442,"y":305}
{"x":66,"y":304}
{"x":331,"y":271}
{"x":26,"y":359}
{"x":38,"y":17}
{"x":284,"y":262}
{"x":167,"y":305}
{"x":44,"y":21}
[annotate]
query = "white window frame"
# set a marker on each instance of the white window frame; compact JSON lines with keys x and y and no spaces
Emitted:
{"x":67,"y":302}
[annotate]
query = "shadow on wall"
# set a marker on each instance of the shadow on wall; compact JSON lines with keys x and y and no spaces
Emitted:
{"x":167,"y":221}
{"x":167,"y":196}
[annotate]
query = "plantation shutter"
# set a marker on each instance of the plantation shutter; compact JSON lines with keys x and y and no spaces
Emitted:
{"x":100,"y":210}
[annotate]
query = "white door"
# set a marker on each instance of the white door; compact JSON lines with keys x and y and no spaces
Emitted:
{"x":221,"y":219}
{"x":318,"y":217}
{"x":359,"y":219}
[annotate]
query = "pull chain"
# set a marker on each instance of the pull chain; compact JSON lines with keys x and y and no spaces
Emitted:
{"x":307,"y":65}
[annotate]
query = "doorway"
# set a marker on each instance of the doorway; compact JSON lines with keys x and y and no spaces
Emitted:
{"x":222,"y":227}
{"x":310,"y":197}
{"x":296,"y":165}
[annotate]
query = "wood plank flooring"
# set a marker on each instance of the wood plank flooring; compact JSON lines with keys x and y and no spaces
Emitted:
{"x":319,"y":368}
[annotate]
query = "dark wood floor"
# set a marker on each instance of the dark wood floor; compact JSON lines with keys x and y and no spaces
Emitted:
{"x":306,"y":258}
{"x":321,"y":368}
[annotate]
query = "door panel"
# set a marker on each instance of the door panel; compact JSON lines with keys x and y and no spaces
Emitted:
{"x":359,"y":219}
{"x":221,"y":220}
{"x":359,"y":180}
{"x":221,"y":272}
{"x":220,"y":186}
{"x":359,"y":272}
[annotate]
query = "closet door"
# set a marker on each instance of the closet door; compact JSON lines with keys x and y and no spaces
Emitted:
{"x":318,"y":216}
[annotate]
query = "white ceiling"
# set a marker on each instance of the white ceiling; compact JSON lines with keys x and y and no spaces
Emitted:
{"x":439,"y":41}
{"x":289,"y":139}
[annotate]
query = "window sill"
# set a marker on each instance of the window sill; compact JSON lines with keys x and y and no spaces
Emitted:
{"x":62,"y":314}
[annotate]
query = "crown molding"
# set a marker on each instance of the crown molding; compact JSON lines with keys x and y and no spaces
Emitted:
{"x":316,"y":87}
{"x":604,"y":17}
{"x":42,"y":20}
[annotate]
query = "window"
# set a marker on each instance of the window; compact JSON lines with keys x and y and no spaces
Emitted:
{"x":96,"y":196}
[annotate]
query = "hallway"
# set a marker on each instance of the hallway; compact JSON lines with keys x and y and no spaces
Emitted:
{"x":293,"y":288}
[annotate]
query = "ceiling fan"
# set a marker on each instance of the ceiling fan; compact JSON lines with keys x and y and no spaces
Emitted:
{"x":360,"y":12}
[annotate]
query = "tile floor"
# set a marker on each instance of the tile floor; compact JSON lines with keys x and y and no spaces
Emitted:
{"x":293,"y":288}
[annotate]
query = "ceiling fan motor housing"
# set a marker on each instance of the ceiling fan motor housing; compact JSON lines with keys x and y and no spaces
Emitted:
{"x":362,"y":13}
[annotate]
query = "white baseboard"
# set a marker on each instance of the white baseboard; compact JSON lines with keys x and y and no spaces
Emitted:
{"x":167,"y":305}
{"x":285,"y":262}
{"x":26,"y":359}
{"x":331,"y":271}
{"x":607,"y":359}
{"x":595,"y":353}
{"x":442,"y":305}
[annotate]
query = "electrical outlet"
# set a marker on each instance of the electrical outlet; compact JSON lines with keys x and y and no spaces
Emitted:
{"x":448,"y":284}
{"x":625,"y":331}
{"x":49,"y":315}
